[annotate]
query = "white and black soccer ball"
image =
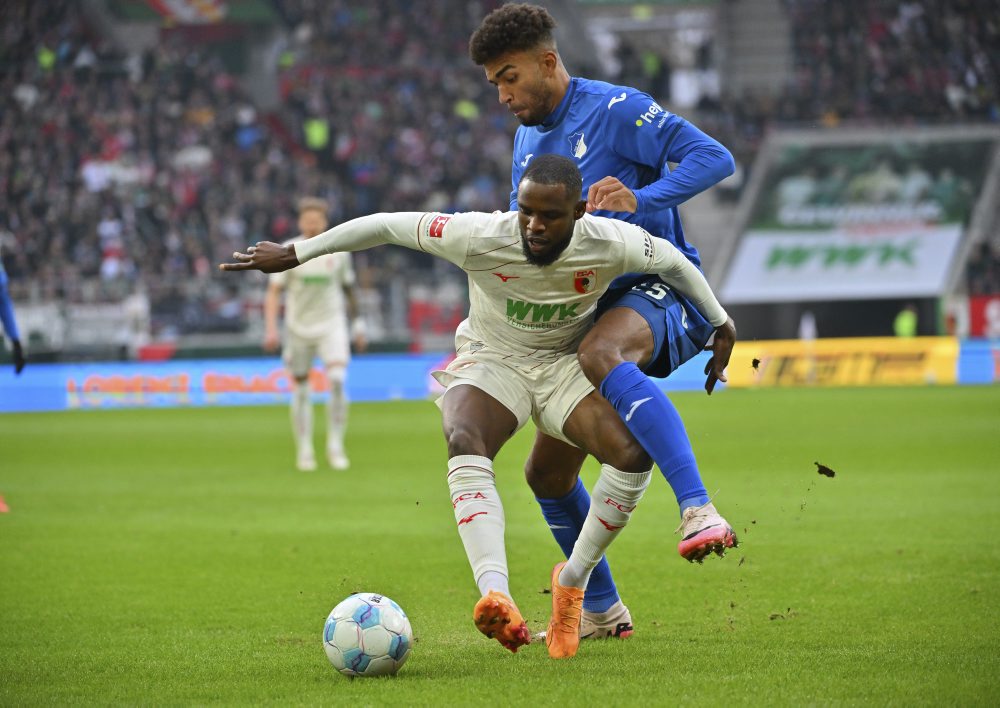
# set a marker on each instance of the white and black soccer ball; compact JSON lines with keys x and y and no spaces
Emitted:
{"x":367,"y":635}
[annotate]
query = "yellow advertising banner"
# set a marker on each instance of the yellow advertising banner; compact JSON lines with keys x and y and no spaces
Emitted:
{"x":875,"y":361}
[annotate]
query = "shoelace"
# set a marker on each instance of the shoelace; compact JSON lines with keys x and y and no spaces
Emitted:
{"x":567,"y":612}
{"x":692,"y":513}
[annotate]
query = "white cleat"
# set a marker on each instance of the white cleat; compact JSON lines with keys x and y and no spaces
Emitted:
{"x":337,"y":459}
{"x":615,"y":623}
{"x":704,"y":532}
{"x":306,"y":461}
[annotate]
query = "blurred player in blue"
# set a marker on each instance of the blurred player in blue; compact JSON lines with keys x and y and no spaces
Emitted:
{"x":622,"y":141}
{"x":9,"y":323}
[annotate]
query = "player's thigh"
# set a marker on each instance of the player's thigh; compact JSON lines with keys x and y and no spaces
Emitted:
{"x":553,"y":466}
{"x":474,"y":422}
{"x":334,"y":350}
{"x":594,"y":426}
{"x":467,"y":418}
{"x":621,"y":334}
{"x":298,"y":355}
{"x":675,"y":328}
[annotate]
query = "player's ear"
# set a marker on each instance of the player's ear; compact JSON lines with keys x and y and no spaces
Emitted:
{"x":580,"y":209}
{"x":549,"y":60}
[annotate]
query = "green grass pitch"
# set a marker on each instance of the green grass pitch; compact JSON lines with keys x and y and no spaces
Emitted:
{"x":175,"y":557}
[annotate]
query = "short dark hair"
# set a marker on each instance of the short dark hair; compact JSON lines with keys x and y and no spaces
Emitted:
{"x":514,"y":27}
{"x":555,"y":169}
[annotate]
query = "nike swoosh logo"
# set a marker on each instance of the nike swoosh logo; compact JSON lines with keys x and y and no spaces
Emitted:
{"x":616,"y":99}
{"x":635,"y":405}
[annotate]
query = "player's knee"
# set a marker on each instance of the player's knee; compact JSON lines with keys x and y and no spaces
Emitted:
{"x":631,"y":457}
{"x":465,"y":440}
{"x":597,"y":357}
{"x":547,"y":483}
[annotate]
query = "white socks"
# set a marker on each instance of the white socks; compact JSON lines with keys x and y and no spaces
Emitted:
{"x":302,"y":416}
{"x":480,"y":519}
{"x":612,"y":501}
{"x":336,"y":411}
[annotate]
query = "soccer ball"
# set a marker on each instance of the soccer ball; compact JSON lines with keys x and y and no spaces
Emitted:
{"x":367,"y":635}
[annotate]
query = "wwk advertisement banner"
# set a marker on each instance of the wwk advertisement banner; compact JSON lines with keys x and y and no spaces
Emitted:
{"x":840,"y":222}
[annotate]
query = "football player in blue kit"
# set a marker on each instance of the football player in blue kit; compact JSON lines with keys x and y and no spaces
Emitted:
{"x":622,"y":141}
{"x":10,"y":323}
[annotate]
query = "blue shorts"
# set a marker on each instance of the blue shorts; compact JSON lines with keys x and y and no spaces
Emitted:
{"x":679,"y":330}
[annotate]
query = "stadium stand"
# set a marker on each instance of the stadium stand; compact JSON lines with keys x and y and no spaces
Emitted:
{"x":127,"y":174}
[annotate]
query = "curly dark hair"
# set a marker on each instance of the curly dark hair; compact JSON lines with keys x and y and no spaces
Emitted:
{"x":554,"y":169}
{"x":513,"y":27}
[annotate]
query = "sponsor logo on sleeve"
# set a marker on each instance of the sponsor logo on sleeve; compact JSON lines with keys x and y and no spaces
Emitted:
{"x":436,"y":227}
{"x":616,"y":99}
{"x":650,"y":115}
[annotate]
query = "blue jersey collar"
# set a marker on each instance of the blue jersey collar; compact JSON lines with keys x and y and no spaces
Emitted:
{"x":556,"y":117}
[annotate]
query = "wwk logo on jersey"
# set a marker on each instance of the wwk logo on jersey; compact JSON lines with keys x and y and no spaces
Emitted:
{"x":436,"y":227}
{"x":518,"y":310}
{"x":584,"y":281}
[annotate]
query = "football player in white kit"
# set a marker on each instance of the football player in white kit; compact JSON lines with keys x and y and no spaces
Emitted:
{"x":535,"y":276}
{"x":319,"y":302}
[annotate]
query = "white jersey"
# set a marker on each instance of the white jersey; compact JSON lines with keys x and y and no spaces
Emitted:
{"x":315,"y":303}
{"x":537,"y":311}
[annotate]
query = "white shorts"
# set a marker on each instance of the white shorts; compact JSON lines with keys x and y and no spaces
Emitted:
{"x":545,"y":390}
{"x":298,"y":353}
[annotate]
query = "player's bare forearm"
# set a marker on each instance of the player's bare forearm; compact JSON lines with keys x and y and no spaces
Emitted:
{"x":722,"y":350}
{"x":266,"y":257}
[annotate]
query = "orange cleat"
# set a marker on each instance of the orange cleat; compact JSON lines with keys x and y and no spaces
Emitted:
{"x":563,"y":635}
{"x":498,"y":618}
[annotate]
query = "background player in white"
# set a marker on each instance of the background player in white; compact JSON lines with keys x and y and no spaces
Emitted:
{"x":533,"y":286}
{"x":319,"y":300}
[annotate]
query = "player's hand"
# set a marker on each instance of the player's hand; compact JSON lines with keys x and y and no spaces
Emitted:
{"x":19,"y":360}
{"x":610,"y":194}
{"x":722,"y":349}
{"x":271,"y":341}
{"x":360,"y":343}
{"x":266,"y":257}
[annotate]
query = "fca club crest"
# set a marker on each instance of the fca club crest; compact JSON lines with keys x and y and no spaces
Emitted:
{"x":584,"y":281}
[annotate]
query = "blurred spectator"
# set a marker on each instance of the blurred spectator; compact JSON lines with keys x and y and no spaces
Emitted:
{"x":982,"y":275}
{"x":117,"y":169}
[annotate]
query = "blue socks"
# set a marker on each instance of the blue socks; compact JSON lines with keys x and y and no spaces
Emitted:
{"x":565,"y":517}
{"x":655,"y":423}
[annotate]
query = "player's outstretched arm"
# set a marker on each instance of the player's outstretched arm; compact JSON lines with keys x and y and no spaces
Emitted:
{"x":266,"y":257}
{"x":722,"y":349}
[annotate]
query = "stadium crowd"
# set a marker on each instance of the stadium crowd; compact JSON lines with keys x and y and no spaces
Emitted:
{"x":121,"y":171}
{"x":117,"y":170}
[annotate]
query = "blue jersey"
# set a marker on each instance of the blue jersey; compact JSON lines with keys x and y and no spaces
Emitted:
{"x":7,"y":308}
{"x":617,"y":131}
